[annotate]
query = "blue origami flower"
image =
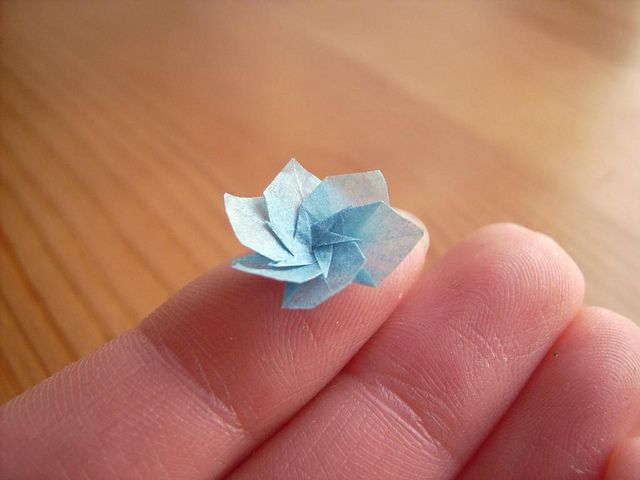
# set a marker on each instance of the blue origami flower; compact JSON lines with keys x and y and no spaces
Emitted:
{"x":320,"y":236}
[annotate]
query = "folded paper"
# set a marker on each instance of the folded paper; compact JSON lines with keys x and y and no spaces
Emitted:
{"x":320,"y":236}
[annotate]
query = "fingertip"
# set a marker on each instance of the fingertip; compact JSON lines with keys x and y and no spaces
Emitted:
{"x":603,"y":316}
{"x":537,"y":252}
{"x":624,"y":463}
{"x":512,"y":265}
{"x":614,"y":341}
{"x":608,"y":349}
{"x":583,"y":398}
{"x":517,"y":234}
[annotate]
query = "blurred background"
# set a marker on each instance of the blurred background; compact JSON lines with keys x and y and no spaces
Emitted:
{"x":123,"y":123}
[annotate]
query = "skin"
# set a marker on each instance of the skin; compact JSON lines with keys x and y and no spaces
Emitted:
{"x":487,"y":366}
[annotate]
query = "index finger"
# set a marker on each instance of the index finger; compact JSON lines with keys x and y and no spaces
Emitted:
{"x":197,"y":386}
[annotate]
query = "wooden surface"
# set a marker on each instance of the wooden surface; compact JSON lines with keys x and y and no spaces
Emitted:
{"x":124,"y":122}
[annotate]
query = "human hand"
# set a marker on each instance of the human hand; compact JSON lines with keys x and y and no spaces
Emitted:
{"x":488,"y":368}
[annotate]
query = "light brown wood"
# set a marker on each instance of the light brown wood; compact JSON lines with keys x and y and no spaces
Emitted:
{"x":124,"y":122}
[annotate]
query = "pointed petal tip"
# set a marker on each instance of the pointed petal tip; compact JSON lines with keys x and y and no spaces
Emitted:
{"x":365,"y":278}
{"x":230,"y":198}
{"x":293,"y":164}
{"x":377,"y":173}
{"x":259,"y":265}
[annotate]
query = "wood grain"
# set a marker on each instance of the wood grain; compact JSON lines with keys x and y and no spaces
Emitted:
{"x":124,"y":122}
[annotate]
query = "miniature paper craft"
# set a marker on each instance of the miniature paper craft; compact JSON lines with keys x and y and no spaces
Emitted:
{"x":320,"y":236}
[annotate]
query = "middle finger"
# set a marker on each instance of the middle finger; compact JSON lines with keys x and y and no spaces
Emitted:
{"x":422,"y":395}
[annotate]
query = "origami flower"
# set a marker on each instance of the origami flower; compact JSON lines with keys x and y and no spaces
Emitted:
{"x":320,"y":236}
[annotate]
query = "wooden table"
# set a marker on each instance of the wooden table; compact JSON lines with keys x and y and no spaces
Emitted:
{"x":124,"y":122}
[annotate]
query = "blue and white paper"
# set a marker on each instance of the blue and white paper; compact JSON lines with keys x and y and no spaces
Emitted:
{"x":320,"y":236}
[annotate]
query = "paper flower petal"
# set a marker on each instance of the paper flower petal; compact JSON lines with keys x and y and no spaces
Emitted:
{"x":248,"y":217}
{"x":346,"y":261}
{"x":259,"y":265}
{"x":343,"y":191}
{"x":285,"y":195}
{"x":386,"y":238}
